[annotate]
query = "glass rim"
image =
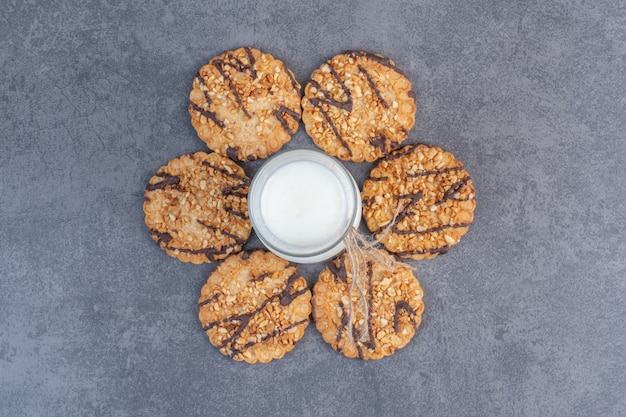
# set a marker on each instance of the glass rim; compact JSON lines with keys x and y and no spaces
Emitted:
{"x":284,"y":158}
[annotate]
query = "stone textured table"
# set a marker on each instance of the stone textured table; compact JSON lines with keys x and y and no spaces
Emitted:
{"x":526,"y":316}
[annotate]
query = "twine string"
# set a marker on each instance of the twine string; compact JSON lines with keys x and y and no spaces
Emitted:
{"x":360,"y":249}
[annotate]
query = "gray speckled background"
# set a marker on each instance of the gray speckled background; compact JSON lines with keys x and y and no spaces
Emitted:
{"x":525,"y":317}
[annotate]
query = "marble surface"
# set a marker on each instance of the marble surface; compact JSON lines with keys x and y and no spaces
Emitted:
{"x":525,"y":317}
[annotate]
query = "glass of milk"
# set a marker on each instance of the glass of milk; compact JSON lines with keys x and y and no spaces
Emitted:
{"x":302,"y":203}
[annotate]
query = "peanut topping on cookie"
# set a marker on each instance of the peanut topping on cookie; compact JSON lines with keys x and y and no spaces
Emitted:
{"x":358,"y":106}
{"x":255,"y":306}
{"x":245,"y":104}
{"x":384,"y":321}
{"x":422,"y":198}
{"x":197,"y":208}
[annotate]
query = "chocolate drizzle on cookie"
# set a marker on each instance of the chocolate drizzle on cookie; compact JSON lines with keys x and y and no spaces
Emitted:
{"x":210,"y":253}
{"x":441,"y":250}
{"x":238,"y":323}
{"x":269,"y":336}
{"x":161,"y":237}
{"x":368,"y":100}
{"x":355,"y":316}
{"x":244,"y":180}
{"x":252,"y":100}
{"x":168,"y":180}
{"x":370,"y":81}
{"x":456,"y":187}
{"x":437,"y":172}
{"x":235,"y":212}
{"x":368,"y":201}
{"x":182,"y":208}
{"x":379,"y":143}
{"x":371,"y":342}
{"x":449,"y":193}
{"x":386,"y":62}
{"x":232,"y":152}
{"x":251,"y":62}
{"x":210,"y":115}
{"x":280,"y":115}
{"x":403,"y":305}
{"x":330,"y":101}
{"x":243,"y":320}
{"x":429,"y":215}
{"x":214,"y":229}
{"x":287,"y":296}
{"x":209,"y":300}
{"x":233,"y":62}
{"x":345,"y":319}
{"x":339,"y":271}
{"x":413,"y":198}
{"x":403,"y":152}
{"x":332,"y":126}
{"x":235,"y":190}
{"x":430,"y":230}
{"x":260,"y":277}
{"x":357,"y":332}
{"x":293,"y":81}
{"x":385,"y":144}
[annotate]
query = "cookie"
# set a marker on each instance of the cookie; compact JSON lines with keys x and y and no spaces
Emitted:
{"x":431,"y":196}
{"x":245,"y":104}
{"x":384,"y":320}
{"x":255,"y":306}
{"x":197,"y":207}
{"x":358,"y":106}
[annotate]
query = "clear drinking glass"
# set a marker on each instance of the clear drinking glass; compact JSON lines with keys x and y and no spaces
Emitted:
{"x":302,"y":204}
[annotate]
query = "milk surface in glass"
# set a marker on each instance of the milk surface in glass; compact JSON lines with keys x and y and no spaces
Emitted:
{"x":303,"y":204}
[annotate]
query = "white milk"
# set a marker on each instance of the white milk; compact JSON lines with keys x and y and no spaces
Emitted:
{"x":303,"y":204}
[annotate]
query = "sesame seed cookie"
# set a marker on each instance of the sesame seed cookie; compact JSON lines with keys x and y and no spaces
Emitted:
{"x":255,"y":306}
{"x":384,"y":322}
{"x":245,"y":104}
{"x":196,"y":207}
{"x":358,"y":106}
{"x":431,"y":196}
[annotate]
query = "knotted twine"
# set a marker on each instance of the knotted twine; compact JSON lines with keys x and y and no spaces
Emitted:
{"x":360,"y":249}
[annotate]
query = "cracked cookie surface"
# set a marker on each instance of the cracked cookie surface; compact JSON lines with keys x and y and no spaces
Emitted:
{"x":196,"y":207}
{"x":245,"y":104}
{"x":358,"y":106}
